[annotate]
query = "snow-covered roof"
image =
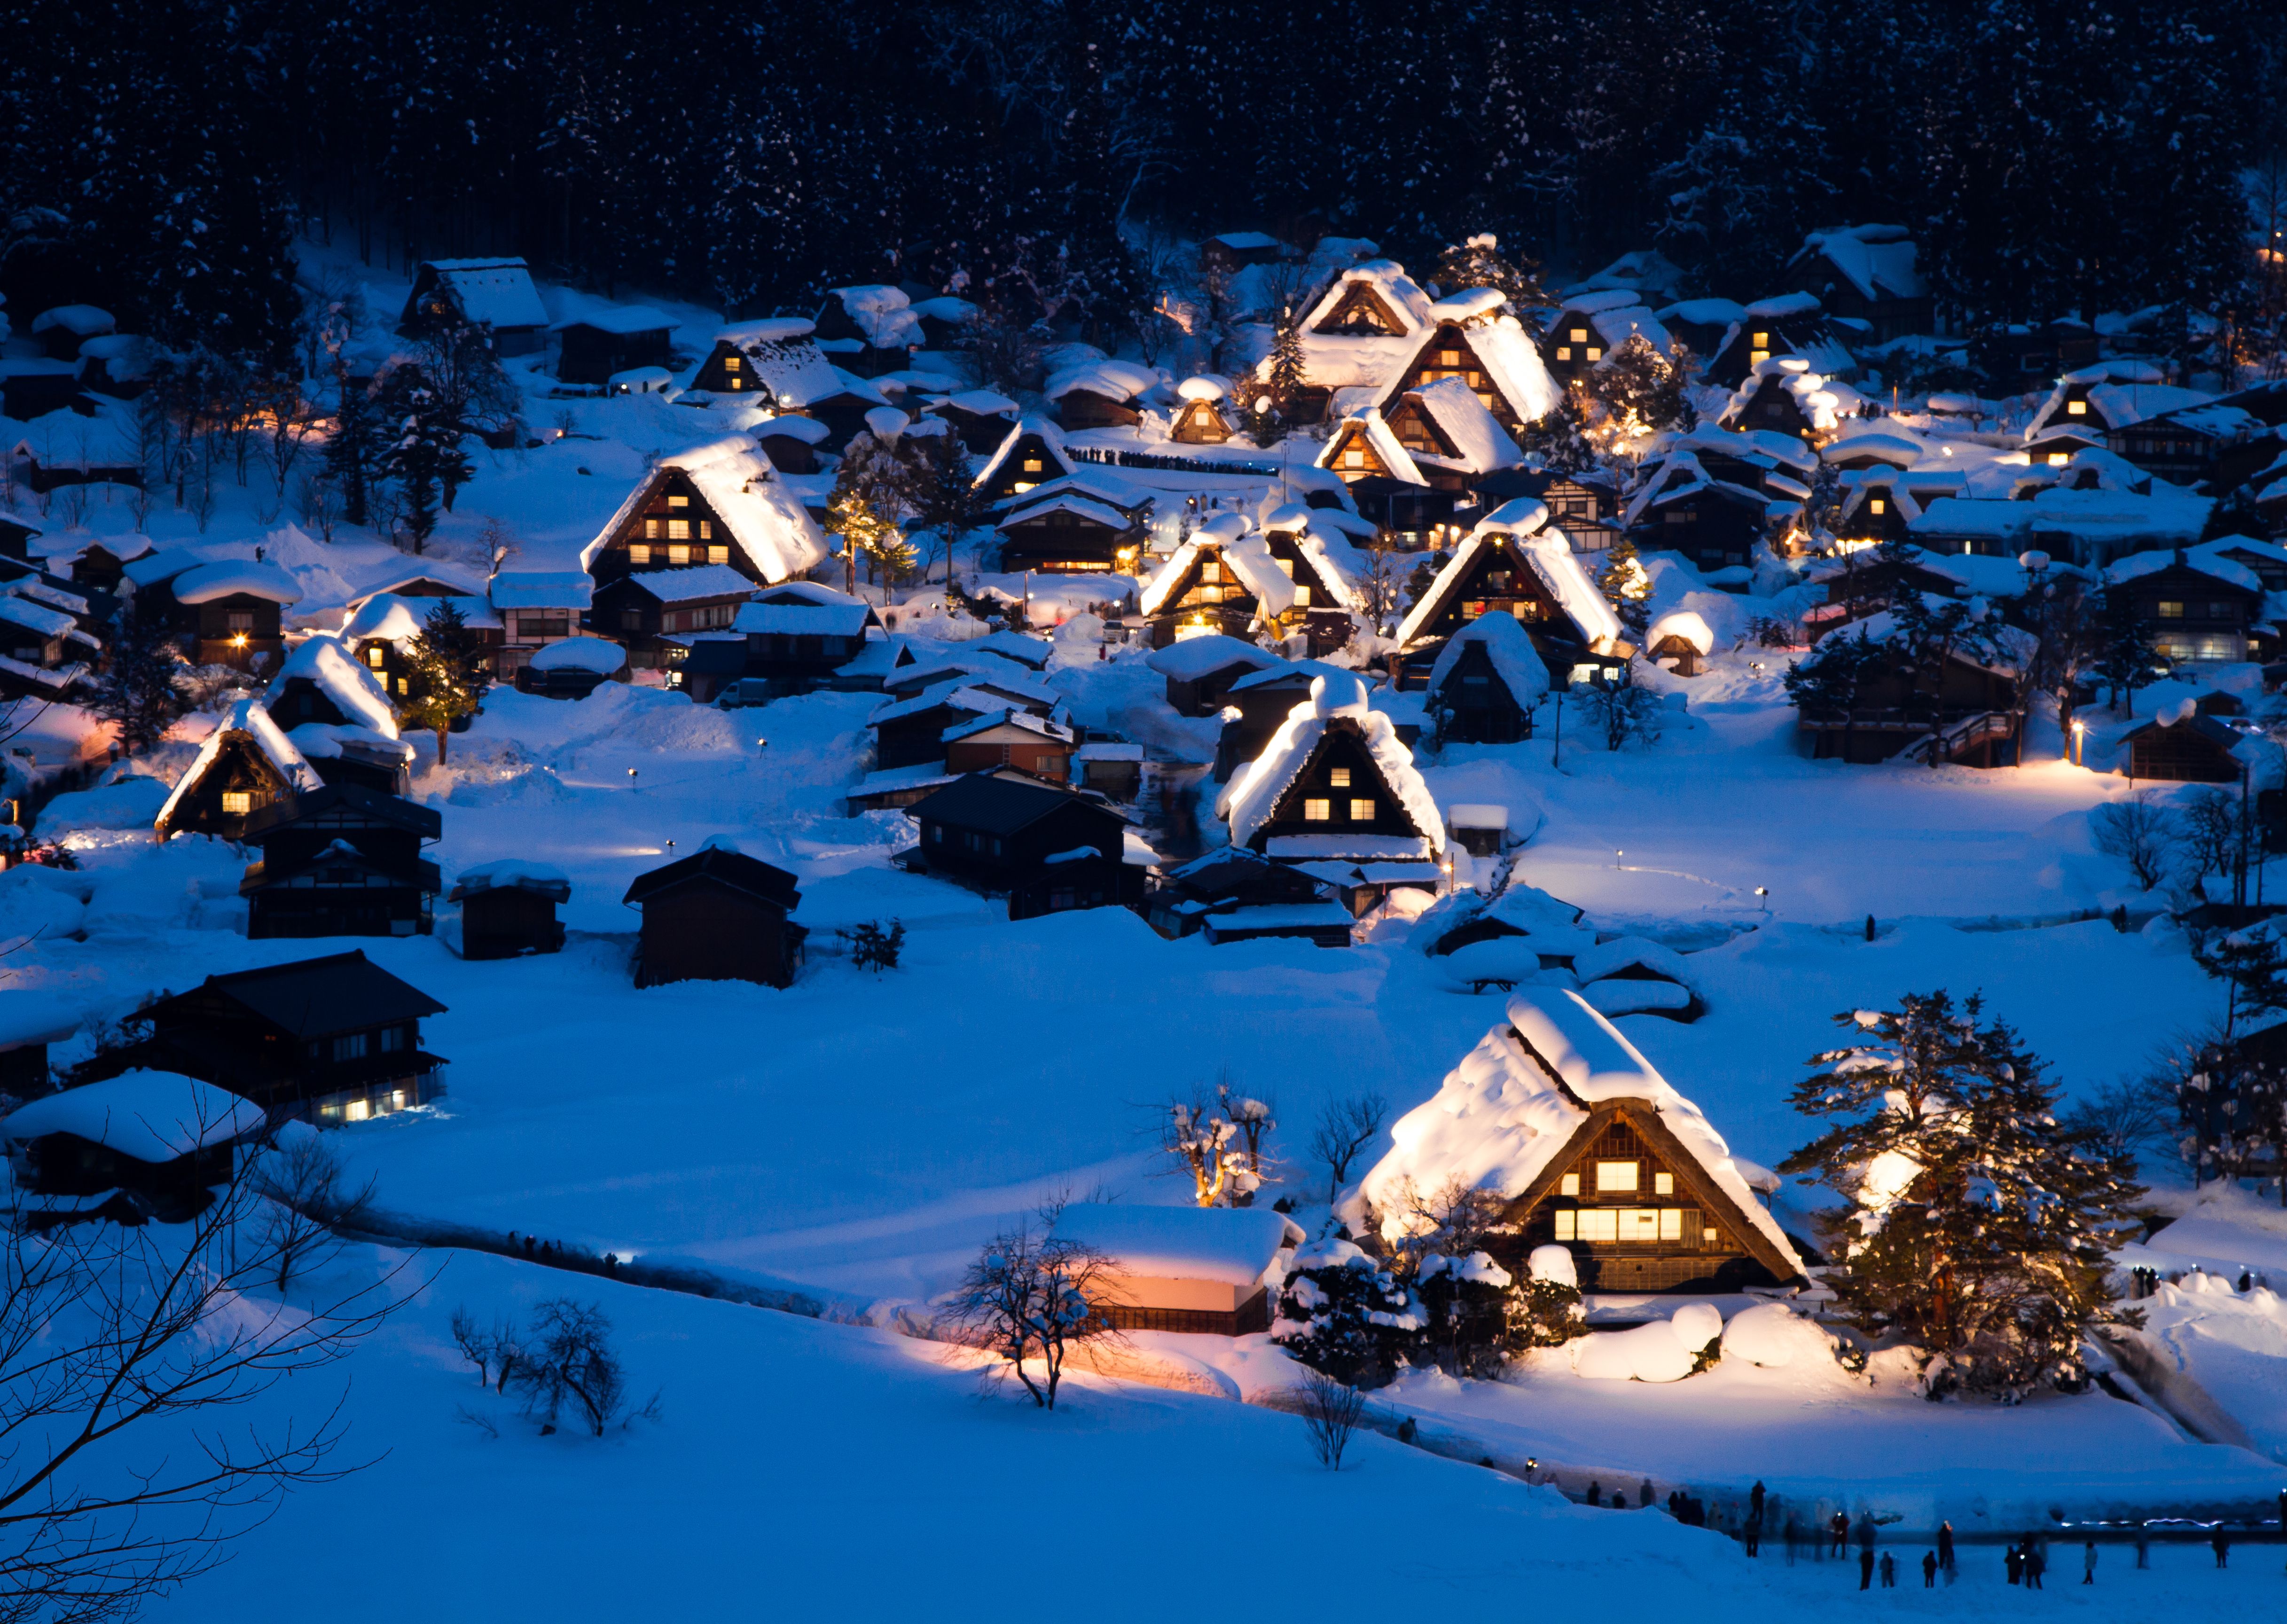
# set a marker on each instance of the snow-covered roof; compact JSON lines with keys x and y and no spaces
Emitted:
{"x":324,"y":741}
{"x":1477,"y":434}
{"x":808,"y":430}
{"x":693,"y":582}
{"x":2119,"y":393}
{"x":620,"y":318}
{"x":1704,"y":312}
{"x":149,"y":1117}
{"x":1877,"y":260}
{"x":1467,"y":304}
{"x":1369,"y":425}
{"x":1887,"y":443}
{"x":1519,"y":1100}
{"x":342,"y":677}
{"x":981,"y":403}
{"x":225,"y":578}
{"x":1119,"y":380}
{"x":786,"y":358}
{"x":513,"y":874}
{"x":498,"y":291}
{"x":1340,"y":360}
{"x":1682,"y":623}
{"x":1822,"y":401}
{"x":594,"y":654}
{"x":37,"y":618}
{"x":1785,"y":305}
{"x":1204,"y":386}
{"x":1007,"y":716}
{"x":1516,"y":662}
{"x":1255,"y":791}
{"x":392,"y":618}
{"x":2207,"y":559}
{"x":1513,"y":366}
{"x":542,"y":589}
{"x":1519,"y":524}
{"x":802,"y":620}
{"x":762,"y":518}
{"x":767,"y":330}
{"x":1049,"y":436}
{"x":84,"y":321}
{"x":1582,"y":305}
{"x":1234,"y":1245}
{"x":980,"y":697}
{"x":1065,"y":502}
{"x":884,"y":314}
{"x":249,"y":719}
{"x":1339,"y":569}
{"x":1194,"y":657}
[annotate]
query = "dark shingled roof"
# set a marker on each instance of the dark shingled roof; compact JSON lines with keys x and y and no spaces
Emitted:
{"x":314,"y":996}
{"x":992,"y":804}
{"x":426,"y":821}
{"x":734,"y":869}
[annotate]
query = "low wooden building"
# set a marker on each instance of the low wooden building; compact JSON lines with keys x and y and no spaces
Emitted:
{"x":1069,"y":534}
{"x":1049,"y":848}
{"x":341,"y":861}
{"x":1100,"y":394}
{"x":536,"y":608}
{"x":494,"y":294}
{"x":592,"y":348}
{"x":380,"y":631}
{"x":330,"y":1040}
{"x":573,"y":668}
{"x":2193,"y":749}
{"x":2200,"y":608}
{"x":508,"y":908}
{"x":1233,"y":894}
{"x":246,"y":766}
{"x":322,"y":681}
{"x":775,"y":362}
{"x":1200,"y":1270}
{"x":717,"y":915}
{"x":791,"y":443}
{"x":911,"y":729}
{"x":1029,"y":454}
{"x":1200,"y":670}
{"x":1507,"y":564}
{"x":1111,"y":766}
{"x":160,"y":1138}
{"x":228,"y":612}
{"x":719,"y":503}
{"x":1014,"y":737}
{"x":982,"y":418}
{"x":1969,"y":715}
{"x":1866,"y":273}
{"x":28,"y":1023}
{"x":653,"y":611}
{"x":1205,"y":417}
{"x":1486,"y":683}
{"x":1594,"y":1151}
{"x":103,"y":564}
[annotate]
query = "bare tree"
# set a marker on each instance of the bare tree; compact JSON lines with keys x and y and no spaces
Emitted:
{"x":498,"y":1354}
{"x":2128,"y":1114}
{"x":570,"y":1367}
{"x":2209,"y":822}
{"x":1331,"y":1411}
{"x":1030,"y":1296}
{"x":313,"y":1198}
{"x":1453,"y":1220}
{"x":113,"y":1341}
{"x":1346,"y":1127}
{"x":1252,"y":1122}
{"x":1199,"y":1139}
{"x":2138,"y":832}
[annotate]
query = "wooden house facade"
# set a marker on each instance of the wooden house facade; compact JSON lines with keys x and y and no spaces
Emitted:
{"x":1233,"y":894}
{"x":717,"y":915}
{"x":245,"y":767}
{"x":1773,"y":406}
{"x":1971,"y":714}
{"x":1029,"y":454}
{"x":1203,"y":419}
{"x":594,"y":348}
{"x":1052,"y":848}
{"x":328,"y":1040}
{"x":1201,"y":670}
{"x":1341,"y":790}
{"x":2195,"y":749}
{"x":653,"y":612}
{"x":1014,"y":738}
{"x":2195,"y":615}
{"x":230,"y":613}
{"x":1070,"y":534}
{"x":341,"y":861}
{"x":672,"y":526}
{"x":1476,"y":701}
{"x":508,"y":909}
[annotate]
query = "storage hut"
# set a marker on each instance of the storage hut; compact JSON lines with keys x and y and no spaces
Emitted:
{"x":1589,"y":1149}
{"x":1049,"y":848}
{"x":1100,"y":393}
{"x":593,"y":347}
{"x":1200,"y":670}
{"x":2184,"y":748}
{"x":1204,"y":418}
{"x":508,"y":908}
{"x":1679,"y":641}
{"x":791,"y":443}
{"x":1486,"y":682}
{"x":230,"y":611}
{"x":717,"y":915}
{"x":1202,"y":1271}
{"x":1233,"y":894}
{"x":160,"y":1138}
{"x":330,"y":1040}
{"x":573,"y":668}
{"x":246,"y":765}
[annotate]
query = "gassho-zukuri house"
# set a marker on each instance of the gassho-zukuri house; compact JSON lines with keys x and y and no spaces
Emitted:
{"x":1556,"y":1113}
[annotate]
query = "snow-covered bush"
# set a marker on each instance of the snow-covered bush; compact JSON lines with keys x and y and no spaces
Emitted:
{"x":1546,"y":1310}
{"x":1651,"y":1353}
{"x":1343,"y":1313}
{"x":1466,"y":1300}
{"x":1773,"y":1336}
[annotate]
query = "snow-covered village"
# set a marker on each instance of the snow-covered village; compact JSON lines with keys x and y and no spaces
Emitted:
{"x":848,"y":812}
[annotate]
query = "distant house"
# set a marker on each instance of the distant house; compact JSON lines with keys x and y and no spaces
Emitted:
{"x":717,"y":915}
{"x":158,"y":1138}
{"x":1111,"y":766}
{"x":912,"y":730}
{"x":246,"y":765}
{"x":1099,"y":394}
{"x":1486,"y":682}
{"x":791,"y":443}
{"x":2109,"y":398}
{"x":653,"y":611}
{"x":870,"y":330}
{"x":328,"y":1040}
{"x":1783,"y":395}
{"x":1715,"y":524}
{"x":341,"y":861}
{"x":1451,"y":438}
{"x":1335,"y":784}
{"x":1592,"y":325}
{"x":1032,"y":454}
{"x":1584,"y":504}
{"x":1069,"y":533}
{"x":1052,"y":848}
{"x":1969,"y":713}
{"x":1200,"y":670}
{"x":2189,"y":749}
{"x":495,"y":294}
{"x":1312,"y":547}
{"x":1794,"y":324}
{"x":103,"y":564}
{"x":1015,"y":738}
{"x":508,"y":908}
{"x":1237,"y":250}
{"x":228,"y":612}
{"x":1507,"y":564}
{"x":45,"y":652}
{"x":323,"y":681}
{"x":594,"y":347}
{"x":537,"y":607}
{"x":979,"y":416}
{"x":1206,"y":1272}
{"x":719,"y":503}
{"x":380,"y":632}
{"x":795,"y":644}
{"x":775,"y":361}
{"x":1867,"y":274}
{"x":1592,"y":1150}
{"x":1362,"y":331}
{"x":1219,"y":579}
{"x":1472,"y":340}
{"x":1204,"y":418}
{"x":1233,"y":894}
{"x":64,"y":329}
{"x":2201,"y":607}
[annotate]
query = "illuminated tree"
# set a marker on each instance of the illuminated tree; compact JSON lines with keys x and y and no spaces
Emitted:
{"x":447,"y":674}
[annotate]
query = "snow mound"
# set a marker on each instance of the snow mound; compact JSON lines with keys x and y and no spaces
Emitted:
{"x":1647,"y":1354}
{"x":580,"y":654}
{"x":1696,"y":1324}
{"x":1553,"y":1263}
{"x":1685,"y":624}
{"x":232,"y":577}
{"x":1608,"y":958}
{"x":1774,"y":1336}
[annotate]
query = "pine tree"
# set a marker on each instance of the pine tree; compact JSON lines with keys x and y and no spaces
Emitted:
{"x":1341,"y":1312}
{"x":869,"y":493}
{"x":1829,"y":682}
{"x":1560,"y":440}
{"x":2130,"y":660}
{"x":1466,"y":1304}
{"x":1639,"y":391}
{"x":358,"y":448}
{"x":1626,"y":588}
{"x":447,"y":674}
{"x":1479,"y":263}
{"x":137,"y":691}
{"x":2252,"y":965}
{"x":1981,"y":1226}
{"x":1288,"y":376}
{"x":425,"y":458}
{"x":947,"y":500}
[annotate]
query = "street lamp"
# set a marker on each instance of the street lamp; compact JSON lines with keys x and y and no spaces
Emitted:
{"x":2079,"y":735}
{"x":1764,"y":893}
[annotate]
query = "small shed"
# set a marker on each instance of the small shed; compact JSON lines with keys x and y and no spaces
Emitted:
{"x":162,"y":1137}
{"x":717,"y":915}
{"x":1679,"y":642}
{"x":1233,"y":894}
{"x":791,"y":443}
{"x":1206,"y":1271}
{"x":1112,"y":768}
{"x":1052,"y":848}
{"x":573,"y":668}
{"x":1479,"y":829}
{"x":28,"y":1023}
{"x":594,"y":347}
{"x":323,"y":681}
{"x":2190,"y":748}
{"x":495,"y":294}
{"x":508,"y":908}
{"x":1204,"y":419}
{"x":232,"y":610}
{"x":1200,"y":670}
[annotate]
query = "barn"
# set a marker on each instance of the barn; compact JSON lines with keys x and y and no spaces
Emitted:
{"x":717,"y":915}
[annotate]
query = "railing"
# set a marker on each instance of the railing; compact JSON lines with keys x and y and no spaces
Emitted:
{"x":1173,"y":465}
{"x":1967,"y":734}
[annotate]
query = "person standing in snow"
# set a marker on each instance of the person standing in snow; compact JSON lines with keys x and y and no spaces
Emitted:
{"x":1840,"y":1530}
{"x":1929,"y":1570}
{"x":1865,"y":1567}
{"x":2143,"y":1547}
{"x":1889,"y":1571}
{"x":2036,"y":1562}
{"x":1945,"y":1546}
{"x":1644,"y":1495}
{"x":2013,"y":1560}
{"x":1595,"y":1492}
{"x":2222,"y":1543}
{"x":2088,"y":1562}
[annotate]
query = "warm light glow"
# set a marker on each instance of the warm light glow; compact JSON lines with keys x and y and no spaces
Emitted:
{"x":238,"y":640}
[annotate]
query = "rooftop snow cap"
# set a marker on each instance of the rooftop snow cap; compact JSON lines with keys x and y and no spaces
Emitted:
{"x":1468,"y":305}
{"x":1288,"y":515}
{"x":231,"y":576}
{"x":1206,"y":386}
{"x":885,"y":422}
{"x":149,"y":1117}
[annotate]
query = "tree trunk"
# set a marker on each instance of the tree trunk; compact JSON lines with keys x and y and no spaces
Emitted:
{"x":441,"y":732}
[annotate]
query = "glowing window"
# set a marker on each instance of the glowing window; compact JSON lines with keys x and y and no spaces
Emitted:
{"x":404,"y":686}
{"x":1671,"y":1223}
{"x":1318,"y":811}
{"x":242,"y":620}
{"x":2076,"y":408}
{"x":730,"y":363}
{"x":1595,"y":354}
{"x":1595,"y":1223}
{"x":1761,"y":341}
{"x":1353,"y":456}
{"x":374,"y":654}
{"x":678,"y":554}
{"x":1878,"y":506}
{"x":718,"y":554}
{"x":1564,"y":352}
{"x":1612,"y":1176}
{"x":1569,"y":1185}
{"x":1580,"y":336}
{"x":651,"y":530}
{"x":1361,"y":811}
{"x":1339,"y":778}
{"x":1756,"y":357}
{"x":1301,"y":597}
{"x":678,"y":530}
{"x":2057,"y":458}
{"x":1663,"y":1184}
{"x":1707,"y":1237}
{"x":1565,"y":1224}
{"x":678,"y":501}
{"x":2170,"y":610}
{"x":706,"y":530}
{"x":738,"y":383}
{"x":1449,"y":357}
{"x":1032,"y":465}
{"x":237,"y":803}
{"x":357,"y":1110}
{"x":638,"y":553}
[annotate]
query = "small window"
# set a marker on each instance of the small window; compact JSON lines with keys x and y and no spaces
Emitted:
{"x":651,"y":530}
{"x":1707,"y":1237}
{"x":1339,"y":778}
{"x":1878,"y":506}
{"x":1564,"y":352}
{"x":2170,"y":610}
{"x":730,"y":363}
{"x":1361,"y":811}
{"x":1671,"y":1223}
{"x":639,"y":553}
{"x":718,"y":554}
{"x":1566,"y":1220}
{"x":393,"y":1039}
{"x":1580,"y":336}
{"x":1449,"y":357}
{"x":374,"y":655}
{"x":1033,"y":465}
{"x":1354,"y":456}
{"x":350,"y":1048}
{"x":404,"y":686}
{"x":736,"y":382}
{"x":1761,"y":341}
{"x":2058,"y":459}
{"x":242,"y":620}
{"x":1318,"y":811}
{"x":706,"y":530}
{"x":1756,"y":357}
{"x":1594,"y":353}
{"x":1301,"y":597}
{"x":1569,"y":1185}
{"x":678,"y":554}
{"x":1597,"y":1224}
{"x":2076,"y":408}
{"x":678,"y":501}
{"x":237,"y":803}
{"x":678,"y":530}
{"x":1615,"y":1176}
{"x":1663,"y":1184}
